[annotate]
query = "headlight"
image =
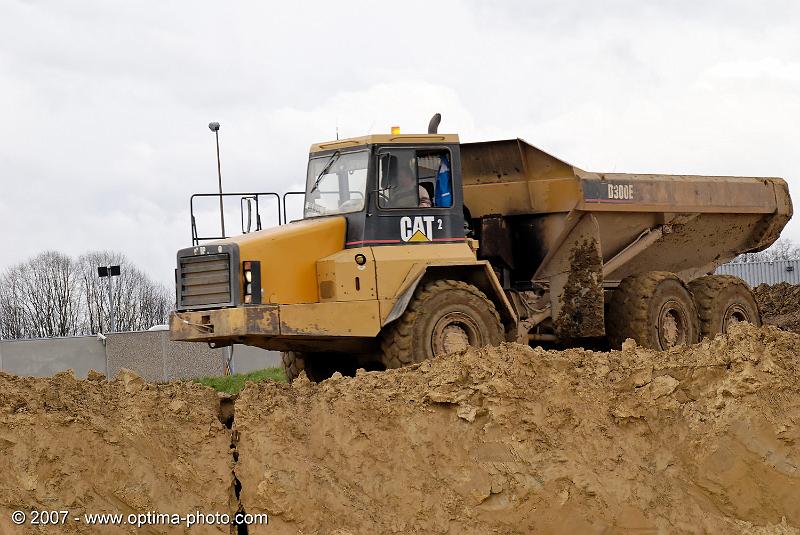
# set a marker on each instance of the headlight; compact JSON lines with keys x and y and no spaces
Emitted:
{"x":252,"y":280}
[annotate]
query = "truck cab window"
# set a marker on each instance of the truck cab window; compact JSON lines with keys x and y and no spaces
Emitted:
{"x":410,"y":178}
{"x":336,"y":184}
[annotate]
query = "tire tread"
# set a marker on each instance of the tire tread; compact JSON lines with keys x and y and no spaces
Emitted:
{"x":629,"y":310}
{"x":705,"y":291}
{"x":397,"y":341}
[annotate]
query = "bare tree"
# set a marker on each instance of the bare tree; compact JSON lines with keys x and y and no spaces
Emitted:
{"x":94,"y":293}
{"x":40,"y":297}
{"x":139,"y":302}
{"x":53,"y":295}
{"x":783,"y":249}
{"x":12,"y":315}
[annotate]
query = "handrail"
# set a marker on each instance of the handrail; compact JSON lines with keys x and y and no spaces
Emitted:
{"x":250,"y":197}
{"x":285,"y":218}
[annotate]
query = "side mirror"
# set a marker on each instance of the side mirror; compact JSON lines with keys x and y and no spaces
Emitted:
{"x":249,"y":216}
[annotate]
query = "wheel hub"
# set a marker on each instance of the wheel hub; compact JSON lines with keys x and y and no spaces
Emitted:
{"x":454,"y":332}
{"x":672,"y":326}
{"x":455,"y":338}
{"x":734,"y":314}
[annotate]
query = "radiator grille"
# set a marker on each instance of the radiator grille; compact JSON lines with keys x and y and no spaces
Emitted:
{"x":205,"y":280}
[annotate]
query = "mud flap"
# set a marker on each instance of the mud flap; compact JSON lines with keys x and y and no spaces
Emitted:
{"x":574,"y":272}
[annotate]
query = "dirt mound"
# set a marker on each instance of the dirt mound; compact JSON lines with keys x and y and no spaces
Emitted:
{"x":780,"y":305}
{"x":502,"y":440}
{"x":520,"y":440}
{"x":118,"y":446}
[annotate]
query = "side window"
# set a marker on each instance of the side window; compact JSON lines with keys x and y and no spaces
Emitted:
{"x":435,"y":177}
{"x":409,"y":178}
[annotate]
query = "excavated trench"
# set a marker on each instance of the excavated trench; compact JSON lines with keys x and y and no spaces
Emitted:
{"x":499,"y":440}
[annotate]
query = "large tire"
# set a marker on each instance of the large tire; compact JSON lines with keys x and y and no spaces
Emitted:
{"x":655,"y":309}
{"x":442,"y":317}
{"x":318,"y":366}
{"x":721,"y":301}
{"x":293,"y":363}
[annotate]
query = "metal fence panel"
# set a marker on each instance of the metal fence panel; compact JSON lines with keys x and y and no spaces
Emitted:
{"x":755,"y":273}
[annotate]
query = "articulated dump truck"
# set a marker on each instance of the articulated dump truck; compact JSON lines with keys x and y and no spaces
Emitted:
{"x":415,"y":245}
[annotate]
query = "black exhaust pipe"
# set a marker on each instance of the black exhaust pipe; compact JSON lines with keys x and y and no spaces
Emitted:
{"x":433,"y":126}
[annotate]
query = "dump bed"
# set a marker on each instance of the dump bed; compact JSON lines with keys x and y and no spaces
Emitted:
{"x":700,"y":221}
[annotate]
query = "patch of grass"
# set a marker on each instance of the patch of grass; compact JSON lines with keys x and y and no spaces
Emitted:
{"x":233,"y":384}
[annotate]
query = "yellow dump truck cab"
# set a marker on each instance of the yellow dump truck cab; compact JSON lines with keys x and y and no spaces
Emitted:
{"x":383,"y":217}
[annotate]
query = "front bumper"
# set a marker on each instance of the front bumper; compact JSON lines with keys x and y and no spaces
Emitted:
{"x":346,"y":319}
{"x":224,"y":323}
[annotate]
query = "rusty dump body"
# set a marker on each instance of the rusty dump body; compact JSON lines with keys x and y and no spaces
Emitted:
{"x":575,"y":232}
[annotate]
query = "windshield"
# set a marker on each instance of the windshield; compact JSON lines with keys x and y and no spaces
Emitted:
{"x":336,"y":183}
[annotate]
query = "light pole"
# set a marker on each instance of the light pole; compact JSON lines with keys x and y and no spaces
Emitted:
{"x":214,"y":127}
{"x":110,"y":271}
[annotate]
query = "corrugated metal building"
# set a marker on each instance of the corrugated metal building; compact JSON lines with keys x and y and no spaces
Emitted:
{"x":755,"y":273}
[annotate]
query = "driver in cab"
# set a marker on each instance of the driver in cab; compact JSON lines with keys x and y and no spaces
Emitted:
{"x":407,"y":193}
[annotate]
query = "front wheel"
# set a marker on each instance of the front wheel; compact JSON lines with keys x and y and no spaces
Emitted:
{"x":444,"y":316}
{"x":293,"y":363}
{"x":318,"y":366}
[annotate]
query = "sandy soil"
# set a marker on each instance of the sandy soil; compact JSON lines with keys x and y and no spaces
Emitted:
{"x":502,"y":440}
{"x":517,"y":440}
{"x":780,"y":305}
{"x":111,"y":446}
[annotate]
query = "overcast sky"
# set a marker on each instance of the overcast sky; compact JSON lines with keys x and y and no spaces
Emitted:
{"x":105,"y":104}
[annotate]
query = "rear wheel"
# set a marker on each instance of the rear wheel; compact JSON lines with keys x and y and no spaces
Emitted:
{"x":443,"y":316}
{"x":655,"y":309}
{"x":722,"y":301}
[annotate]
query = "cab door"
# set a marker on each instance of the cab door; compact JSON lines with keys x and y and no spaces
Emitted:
{"x":417,"y":197}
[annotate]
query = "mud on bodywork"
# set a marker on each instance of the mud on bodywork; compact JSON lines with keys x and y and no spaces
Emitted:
{"x":581,"y":313}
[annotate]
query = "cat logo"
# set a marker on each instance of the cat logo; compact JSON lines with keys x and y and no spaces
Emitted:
{"x":419,"y":229}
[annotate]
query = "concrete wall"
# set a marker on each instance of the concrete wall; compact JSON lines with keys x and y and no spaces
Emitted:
{"x":49,"y":356}
{"x":248,"y":358}
{"x":151,"y":354}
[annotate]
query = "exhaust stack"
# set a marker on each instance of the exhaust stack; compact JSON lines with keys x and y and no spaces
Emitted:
{"x":433,"y":126}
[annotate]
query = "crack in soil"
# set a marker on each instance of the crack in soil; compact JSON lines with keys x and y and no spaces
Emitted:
{"x":227,"y":413}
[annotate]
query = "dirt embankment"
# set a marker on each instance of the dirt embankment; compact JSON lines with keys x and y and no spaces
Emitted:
{"x":780,"y":305}
{"x":517,"y":440}
{"x":502,"y":440}
{"x":118,"y":446}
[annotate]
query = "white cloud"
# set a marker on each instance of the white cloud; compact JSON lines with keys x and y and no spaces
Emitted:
{"x":764,"y":69}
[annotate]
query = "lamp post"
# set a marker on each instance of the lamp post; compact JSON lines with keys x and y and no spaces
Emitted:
{"x":214,"y":127}
{"x":110,"y":271}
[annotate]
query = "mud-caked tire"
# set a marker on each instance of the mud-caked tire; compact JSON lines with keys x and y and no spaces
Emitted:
{"x":655,"y":309}
{"x":721,"y":301}
{"x":442,"y":317}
